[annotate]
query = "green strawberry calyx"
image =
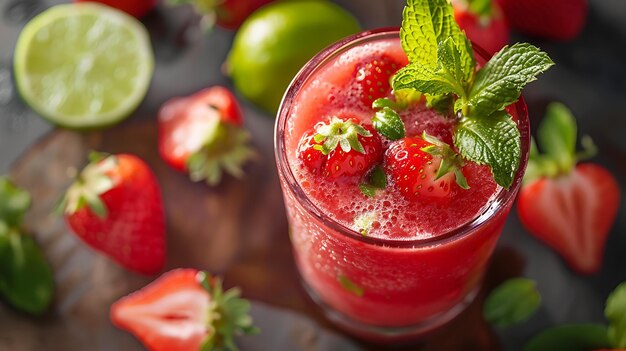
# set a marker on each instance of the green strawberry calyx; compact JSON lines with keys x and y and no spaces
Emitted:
{"x":451,"y":162}
{"x":556,"y":137}
{"x":338,"y":132}
{"x":227,"y":315}
{"x":443,"y":67}
{"x":224,"y":150}
{"x":93,"y":181}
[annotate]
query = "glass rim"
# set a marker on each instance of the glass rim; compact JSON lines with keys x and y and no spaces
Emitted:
{"x":497,"y":204}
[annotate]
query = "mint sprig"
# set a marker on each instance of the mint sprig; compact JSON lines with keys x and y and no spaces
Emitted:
{"x":442,"y":64}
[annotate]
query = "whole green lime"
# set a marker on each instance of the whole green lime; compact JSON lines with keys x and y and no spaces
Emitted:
{"x":277,"y":40}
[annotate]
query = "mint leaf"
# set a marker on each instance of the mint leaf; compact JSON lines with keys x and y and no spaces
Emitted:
{"x":367,"y":190}
{"x":512,"y":302}
{"x":377,"y":179}
{"x":424,"y":79}
{"x":350,"y":286}
{"x":557,"y":136}
{"x":26,"y":279}
{"x":426,"y":23}
{"x":450,"y":65}
{"x":500,"y":82}
{"x":388,"y":123}
{"x":615,"y":312}
{"x":14,"y":202}
{"x":576,"y":337}
{"x":493,"y":140}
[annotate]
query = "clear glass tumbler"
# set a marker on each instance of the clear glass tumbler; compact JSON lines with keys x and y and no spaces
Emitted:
{"x":380,"y":289}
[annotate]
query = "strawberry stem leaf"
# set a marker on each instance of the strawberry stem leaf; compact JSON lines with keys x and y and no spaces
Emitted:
{"x":450,"y":160}
{"x":557,"y":140}
{"x":228,"y":315}
{"x":340,"y":133}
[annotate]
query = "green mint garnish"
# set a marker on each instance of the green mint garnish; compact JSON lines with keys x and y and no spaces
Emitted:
{"x":451,"y":162}
{"x":377,"y":179}
{"x":483,"y":9}
{"x":26,"y":279}
{"x":386,"y":120}
{"x":615,"y":312}
{"x":350,"y":286}
{"x":512,"y":302}
{"x":425,"y":24}
{"x":442,"y":66}
{"x":338,"y":132}
{"x":500,"y":82}
{"x":494,"y":141}
{"x":557,"y":139}
{"x":577,"y":337}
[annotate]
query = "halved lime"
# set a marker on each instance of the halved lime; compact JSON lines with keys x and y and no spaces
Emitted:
{"x":83,"y":65}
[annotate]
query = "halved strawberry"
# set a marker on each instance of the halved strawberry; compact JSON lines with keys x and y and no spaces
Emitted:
{"x":203,"y":134}
{"x":569,"y":207}
{"x":341,"y":148}
{"x":184,"y":310}
{"x":483,"y":23}
{"x":424,"y":167}
{"x":372,"y":78}
{"x":115,"y":207}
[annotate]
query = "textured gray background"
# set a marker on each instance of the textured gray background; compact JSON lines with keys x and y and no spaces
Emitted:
{"x":590,"y":77}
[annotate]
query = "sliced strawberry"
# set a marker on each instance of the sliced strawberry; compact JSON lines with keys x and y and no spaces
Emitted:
{"x":184,"y":310}
{"x":115,"y":207}
{"x":423,"y":169}
{"x":372,"y":78}
{"x":203,"y":135}
{"x":554,"y":19}
{"x":569,"y":207}
{"x":484,"y":25}
{"x":572,"y":213}
{"x":341,"y":149}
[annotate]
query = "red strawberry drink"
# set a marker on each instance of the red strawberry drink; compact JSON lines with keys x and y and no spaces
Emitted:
{"x":391,"y":260}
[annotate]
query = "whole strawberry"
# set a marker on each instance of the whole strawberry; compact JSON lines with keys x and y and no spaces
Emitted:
{"x":115,"y":207}
{"x":569,"y":206}
{"x":483,"y":22}
{"x":424,"y":168}
{"x":203,"y":135}
{"x":184,"y":310}
{"x":553,"y":19}
{"x":372,"y":78}
{"x":340,"y":149}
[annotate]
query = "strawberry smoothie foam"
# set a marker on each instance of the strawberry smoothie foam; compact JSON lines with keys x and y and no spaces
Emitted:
{"x":383,"y":266}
